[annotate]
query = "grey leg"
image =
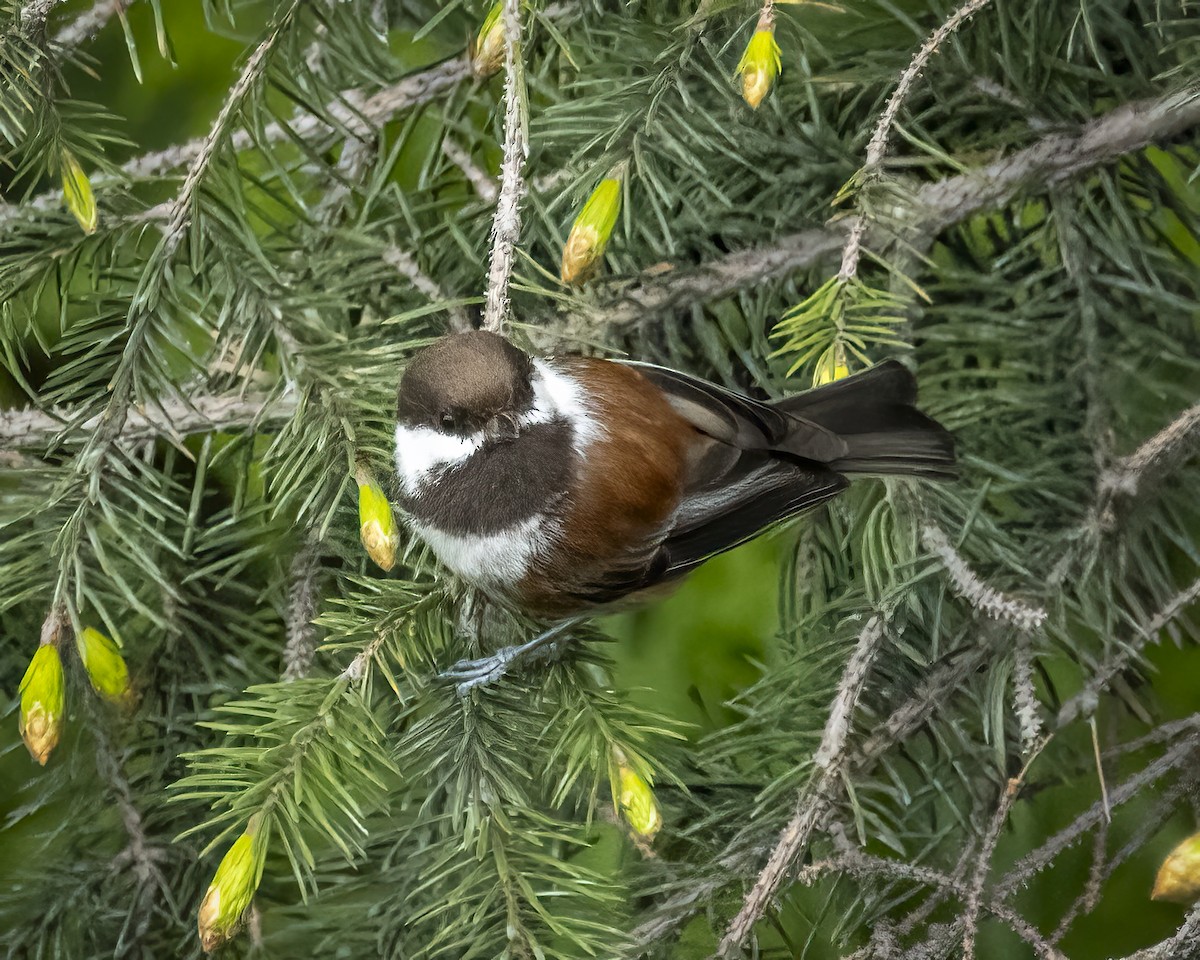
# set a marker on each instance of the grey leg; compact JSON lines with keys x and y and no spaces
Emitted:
{"x":487,"y":670}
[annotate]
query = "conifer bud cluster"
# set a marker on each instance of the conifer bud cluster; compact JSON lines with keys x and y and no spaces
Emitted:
{"x":77,"y":192}
{"x":42,"y":716}
{"x":635,"y":799}
{"x":1178,"y":878}
{"x":487,"y":49}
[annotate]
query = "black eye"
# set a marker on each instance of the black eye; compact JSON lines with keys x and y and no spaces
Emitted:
{"x":447,"y":421}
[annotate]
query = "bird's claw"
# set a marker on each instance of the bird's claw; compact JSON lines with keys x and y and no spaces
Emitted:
{"x":483,"y":672}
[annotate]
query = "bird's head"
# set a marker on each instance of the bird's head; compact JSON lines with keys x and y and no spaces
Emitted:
{"x":471,"y":386}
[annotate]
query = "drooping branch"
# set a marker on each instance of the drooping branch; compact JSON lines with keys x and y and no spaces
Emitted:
{"x":936,"y":206}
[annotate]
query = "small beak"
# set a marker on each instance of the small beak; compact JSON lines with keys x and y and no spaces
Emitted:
{"x":503,"y":426}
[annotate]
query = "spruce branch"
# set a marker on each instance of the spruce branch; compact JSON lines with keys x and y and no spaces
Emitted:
{"x":1085,"y":701}
{"x":479,"y":179}
{"x":1157,"y":455}
{"x":1184,"y":945}
{"x":1179,"y":755}
{"x":205,"y":413}
{"x":986,"y":599}
{"x":406,"y":265}
{"x":303,"y":601}
{"x":880,"y":136}
{"x":506,"y":224}
{"x":816,"y":798}
{"x":936,"y":206}
{"x":87,"y":24}
{"x":983,"y":861}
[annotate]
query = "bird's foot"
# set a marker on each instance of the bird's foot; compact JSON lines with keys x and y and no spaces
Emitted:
{"x":469,"y":674}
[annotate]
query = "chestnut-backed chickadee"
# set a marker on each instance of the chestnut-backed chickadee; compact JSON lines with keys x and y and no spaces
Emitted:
{"x":562,"y":485}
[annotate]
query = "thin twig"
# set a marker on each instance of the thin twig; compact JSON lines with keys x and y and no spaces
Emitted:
{"x":479,"y":179}
{"x":1180,"y":754}
{"x":88,"y":24}
{"x":302,"y":608}
{"x":406,"y":265}
{"x":878,"y":144}
{"x":974,"y":899}
{"x":1085,"y":700}
{"x":815,"y":799}
{"x":506,"y":224}
{"x":982,"y":597}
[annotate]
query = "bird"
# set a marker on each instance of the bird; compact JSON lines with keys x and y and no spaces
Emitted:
{"x":565,"y":486}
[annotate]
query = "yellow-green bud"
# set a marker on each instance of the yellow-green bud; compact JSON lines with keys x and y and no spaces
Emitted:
{"x":231,"y":891}
{"x":42,"y":703}
{"x":104,"y":665}
{"x":376,"y":522}
{"x":760,"y":65}
{"x":831,"y":369}
{"x":77,"y":192}
{"x":487,"y":51}
{"x":590,"y":232}
{"x":1178,"y":878}
{"x":636,"y":799}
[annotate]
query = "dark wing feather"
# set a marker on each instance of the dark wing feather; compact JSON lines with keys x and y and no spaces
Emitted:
{"x":739,"y":421}
{"x":712,"y":520}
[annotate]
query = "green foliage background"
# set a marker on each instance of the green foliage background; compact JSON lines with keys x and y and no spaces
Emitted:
{"x":1047,"y":368}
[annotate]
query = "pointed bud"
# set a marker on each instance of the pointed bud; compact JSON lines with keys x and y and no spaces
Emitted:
{"x":42,"y":703}
{"x":231,"y":890}
{"x":1178,"y":878}
{"x":77,"y":192}
{"x":761,"y":63}
{"x":590,"y":232}
{"x":376,"y":522}
{"x":636,"y":799}
{"x":104,"y":665}
{"x":487,"y":50}
{"x":831,"y":369}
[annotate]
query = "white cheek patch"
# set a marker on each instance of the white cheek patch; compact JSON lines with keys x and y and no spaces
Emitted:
{"x":558,"y":397}
{"x":495,"y":560}
{"x":421,"y":450}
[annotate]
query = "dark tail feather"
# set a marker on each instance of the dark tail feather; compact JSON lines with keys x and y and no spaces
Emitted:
{"x":874,"y":413}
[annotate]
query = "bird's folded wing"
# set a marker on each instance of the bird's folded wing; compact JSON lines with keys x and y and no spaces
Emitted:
{"x":738,"y":420}
{"x":712,"y":520}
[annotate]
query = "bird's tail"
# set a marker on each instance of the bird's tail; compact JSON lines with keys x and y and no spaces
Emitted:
{"x":874,"y":413}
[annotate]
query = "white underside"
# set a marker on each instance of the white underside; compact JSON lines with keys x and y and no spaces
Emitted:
{"x":495,"y":560}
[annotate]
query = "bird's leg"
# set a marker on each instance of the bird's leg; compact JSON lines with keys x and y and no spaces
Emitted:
{"x":486,"y":670}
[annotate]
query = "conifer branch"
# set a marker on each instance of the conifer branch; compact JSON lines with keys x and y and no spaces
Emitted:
{"x":302,"y":610}
{"x":406,"y":265}
{"x":1184,"y":945}
{"x":1085,"y":701}
{"x":974,"y":898}
{"x":87,"y":24}
{"x":215,"y":413}
{"x":987,"y":600}
{"x":1181,"y":754}
{"x":479,"y":179}
{"x":936,"y":206}
{"x":1166,"y":447}
{"x":878,"y":144}
{"x":816,"y":799}
{"x":506,"y":224}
